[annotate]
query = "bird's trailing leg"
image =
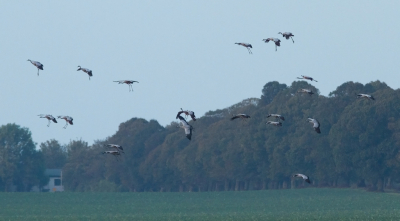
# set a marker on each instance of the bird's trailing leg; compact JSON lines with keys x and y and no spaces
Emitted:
{"x":249,"y":51}
{"x":292,"y":39}
{"x":65,"y":127}
{"x":49,"y":123}
{"x":38,"y":72}
{"x":276,"y":48}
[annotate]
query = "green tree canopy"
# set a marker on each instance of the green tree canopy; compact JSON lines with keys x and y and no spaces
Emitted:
{"x":55,"y":155}
{"x":21,"y":165}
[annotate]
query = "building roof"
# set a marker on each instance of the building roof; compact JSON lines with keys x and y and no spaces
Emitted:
{"x":53,"y":172}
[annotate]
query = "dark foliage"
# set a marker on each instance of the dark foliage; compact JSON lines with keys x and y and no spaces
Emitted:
{"x":21,"y":165}
{"x":358,"y":146}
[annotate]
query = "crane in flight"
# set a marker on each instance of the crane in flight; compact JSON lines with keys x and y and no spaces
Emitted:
{"x":128,"y":82}
{"x":366,"y":96}
{"x":37,"y":64}
{"x":115,"y":153}
{"x":246,"y":45}
{"x":275,"y":123}
{"x":277,"y":116}
{"x":307,"y":78}
{"x":185,"y":125}
{"x":87,"y":71}
{"x":315,"y":124}
{"x":117,"y":147}
{"x":287,"y":35}
{"x":68,"y":120}
{"x":275,"y":40}
{"x":305,"y":91}
{"x":241,"y":116}
{"x":48,"y":117}
{"x":304,"y":177}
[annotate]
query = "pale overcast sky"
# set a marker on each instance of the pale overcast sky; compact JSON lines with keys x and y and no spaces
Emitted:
{"x":182,"y":53}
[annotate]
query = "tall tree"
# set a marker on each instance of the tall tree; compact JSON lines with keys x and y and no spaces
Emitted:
{"x":55,"y":155}
{"x":21,"y":165}
{"x":270,"y":90}
{"x":76,"y":169}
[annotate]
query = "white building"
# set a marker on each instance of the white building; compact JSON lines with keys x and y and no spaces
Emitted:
{"x":55,"y":181}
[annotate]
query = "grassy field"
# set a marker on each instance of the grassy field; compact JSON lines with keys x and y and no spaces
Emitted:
{"x":301,"y":204}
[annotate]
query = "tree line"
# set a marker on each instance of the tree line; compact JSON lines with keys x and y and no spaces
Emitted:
{"x":358,"y":147}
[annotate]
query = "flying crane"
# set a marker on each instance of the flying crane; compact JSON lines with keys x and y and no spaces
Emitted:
{"x":128,"y":82}
{"x":304,"y":177}
{"x":68,"y":120}
{"x":37,"y":64}
{"x":87,"y":71}
{"x":366,"y":96}
{"x":186,"y":126}
{"x":241,"y":116}
{"x":287,"y":35}
{"x":117,"y":147}
{"x":246,"y":45}
{"x":277,"y":116}
{"x":315,"y":124}
{"x":275,"y":123}
{"x":307,"y":78}
{"x":275,"y":40}
{"x":48,"y":117}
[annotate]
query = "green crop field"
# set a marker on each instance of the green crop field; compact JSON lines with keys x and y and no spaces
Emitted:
{"x":300,"y":204}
